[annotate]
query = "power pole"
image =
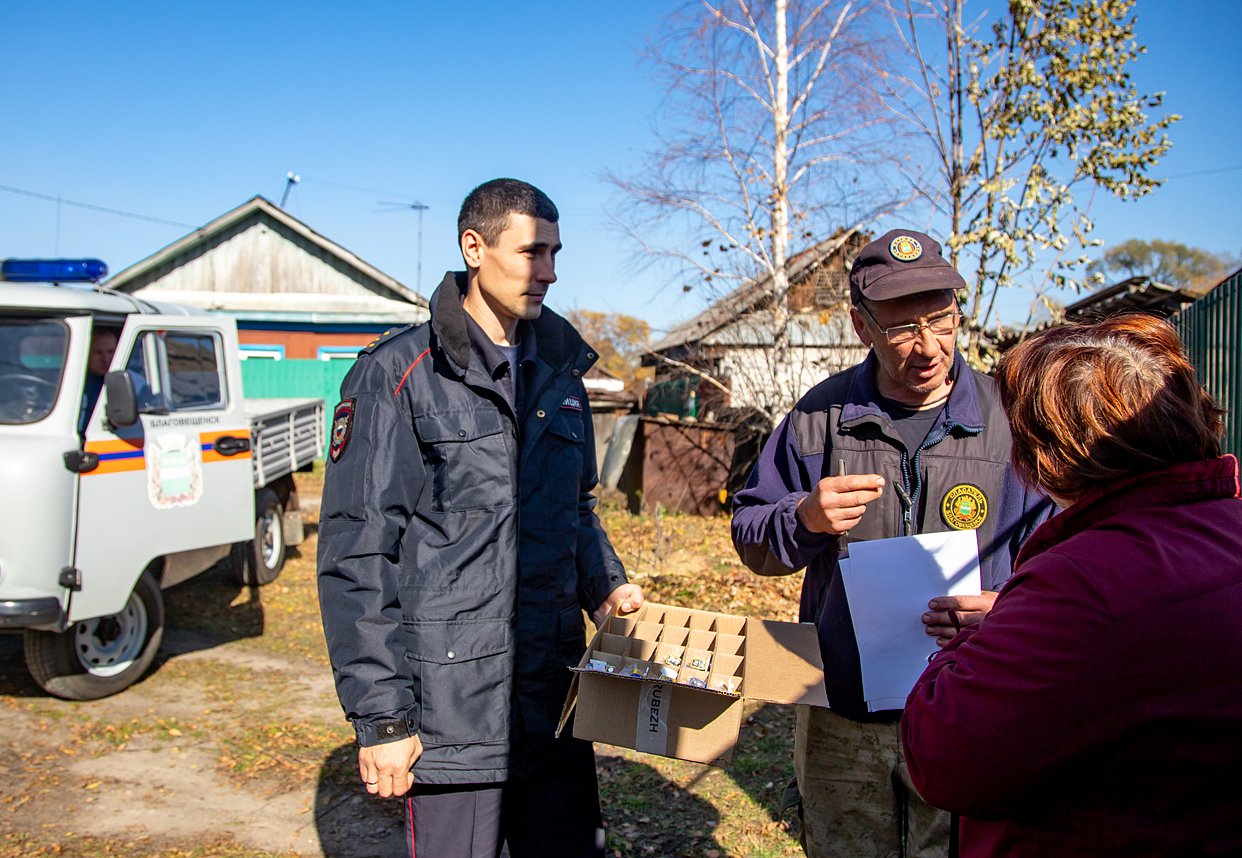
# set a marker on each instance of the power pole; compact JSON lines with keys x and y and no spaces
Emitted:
{"x":420,"y":208}
{"x":290,"y":181}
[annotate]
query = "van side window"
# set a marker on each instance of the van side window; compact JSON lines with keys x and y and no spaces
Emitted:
{"x":137,"y":364}
{"x":193,"y":370}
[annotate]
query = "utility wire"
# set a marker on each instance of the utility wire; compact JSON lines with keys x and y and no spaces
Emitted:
{"x":1205,"y":172}
{"x":96,"y":208}
{"x":356,"y":188}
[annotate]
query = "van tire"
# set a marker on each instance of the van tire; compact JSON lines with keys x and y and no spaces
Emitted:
{"x":73,"y":664}
{"x":259,"y":562}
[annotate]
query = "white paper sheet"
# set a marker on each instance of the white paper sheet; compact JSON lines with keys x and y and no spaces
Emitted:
{"x":888,"y":583}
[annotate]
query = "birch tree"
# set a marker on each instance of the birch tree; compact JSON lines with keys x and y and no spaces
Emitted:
{"x":1021,"y":117}
{"x":767,"y":142}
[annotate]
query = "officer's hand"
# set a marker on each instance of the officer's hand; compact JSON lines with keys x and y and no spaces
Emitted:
{"x":968,"y":610}
{"x":837,"y":503}
{"x":385,"y":769}
{"x":628,"y":596}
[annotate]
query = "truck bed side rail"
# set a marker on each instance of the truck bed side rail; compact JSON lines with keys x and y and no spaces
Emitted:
{"x":285,"y":441}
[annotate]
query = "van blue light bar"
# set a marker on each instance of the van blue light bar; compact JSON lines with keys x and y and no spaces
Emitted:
{"x":53,"y":270}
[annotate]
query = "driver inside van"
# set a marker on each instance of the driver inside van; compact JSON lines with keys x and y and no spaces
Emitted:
{"x":103,"y":347}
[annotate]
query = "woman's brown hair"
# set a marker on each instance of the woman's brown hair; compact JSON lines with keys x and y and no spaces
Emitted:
{"x":1088,"y":404}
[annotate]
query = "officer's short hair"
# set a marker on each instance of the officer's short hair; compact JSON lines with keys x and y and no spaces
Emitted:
{"x":487,"y":208}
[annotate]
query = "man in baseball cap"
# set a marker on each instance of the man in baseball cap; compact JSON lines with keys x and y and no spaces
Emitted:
{"x":909,"y":441}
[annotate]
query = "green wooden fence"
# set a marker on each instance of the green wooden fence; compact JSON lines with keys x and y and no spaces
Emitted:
{"x":1211,"y":328}
{"x":280,"y":378}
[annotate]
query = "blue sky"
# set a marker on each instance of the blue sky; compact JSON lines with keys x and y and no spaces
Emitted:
{"x":182,"y":112}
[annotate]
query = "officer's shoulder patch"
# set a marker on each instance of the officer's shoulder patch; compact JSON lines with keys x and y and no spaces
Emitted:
{"x":342,"y":428}
{"x":964,"y":507}
{"x":384,"y":337}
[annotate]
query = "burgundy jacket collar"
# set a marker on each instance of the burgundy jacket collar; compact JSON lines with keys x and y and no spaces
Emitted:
{"x":1189,"y":482}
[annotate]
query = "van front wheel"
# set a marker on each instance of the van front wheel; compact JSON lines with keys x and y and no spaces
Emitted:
{"x":101,"y":656}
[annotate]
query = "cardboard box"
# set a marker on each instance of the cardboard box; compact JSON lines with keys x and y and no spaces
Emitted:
{"x":673,"y":681}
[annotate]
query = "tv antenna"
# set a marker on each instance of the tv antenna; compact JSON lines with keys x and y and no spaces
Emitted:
{"x":420,"y":208}
{"x":290,"y":181}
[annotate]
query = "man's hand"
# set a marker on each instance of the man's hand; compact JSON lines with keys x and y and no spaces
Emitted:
{"x":837,"y":503}
{"x":385,"y":769}
{"x":628,"y":596}
{"x":939,"y":621}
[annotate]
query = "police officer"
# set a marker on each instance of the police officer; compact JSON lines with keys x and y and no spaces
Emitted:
{"x":458,"y":547}
{"x":909,"y":441}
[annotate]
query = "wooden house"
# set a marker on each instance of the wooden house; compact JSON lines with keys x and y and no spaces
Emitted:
{"x":295,"y":294}
{"x":732,"y":339}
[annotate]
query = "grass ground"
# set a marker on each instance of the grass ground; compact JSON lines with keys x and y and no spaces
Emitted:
{"x":255,"y":718}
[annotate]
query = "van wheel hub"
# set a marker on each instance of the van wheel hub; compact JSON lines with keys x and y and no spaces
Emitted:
{"x":108,"y":645}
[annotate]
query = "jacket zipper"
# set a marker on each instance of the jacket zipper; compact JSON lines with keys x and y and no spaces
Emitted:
{"x":904,"y":492}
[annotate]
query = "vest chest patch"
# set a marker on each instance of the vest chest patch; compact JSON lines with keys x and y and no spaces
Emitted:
{"x":964,"y":507}
{"x":572,"y":403}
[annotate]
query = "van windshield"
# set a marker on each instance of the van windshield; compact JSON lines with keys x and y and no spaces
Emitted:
{"x":32,"y":362}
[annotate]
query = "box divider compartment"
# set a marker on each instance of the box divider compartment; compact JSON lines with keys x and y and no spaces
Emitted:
{"x":727,"y":625}
{"x":613,"y":644}
{"x":643,"y":650}
{"x":701,"y":621}
{"x":676,"y":616}
{"x":730,"y":645}
{"x":700,"y":639}
{"x":674,"y":635}
{"x":613,"y":661}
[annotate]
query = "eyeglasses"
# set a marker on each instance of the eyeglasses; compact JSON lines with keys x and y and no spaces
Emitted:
{"x":900,"y":334}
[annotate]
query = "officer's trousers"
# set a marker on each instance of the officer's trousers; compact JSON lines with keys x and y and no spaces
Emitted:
{"x":552,"y":814}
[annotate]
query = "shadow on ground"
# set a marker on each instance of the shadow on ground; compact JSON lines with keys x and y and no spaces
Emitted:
{"x":647,"y":814}
{"x":350,"y":823}
{"x":210,"y":609}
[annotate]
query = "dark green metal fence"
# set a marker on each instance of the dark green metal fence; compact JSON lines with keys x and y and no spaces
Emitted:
{"x":1211,"y":328}
{"x":281,"y":378}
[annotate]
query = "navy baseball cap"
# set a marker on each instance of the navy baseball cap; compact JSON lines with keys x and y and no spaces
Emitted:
{"x":901,"y":262}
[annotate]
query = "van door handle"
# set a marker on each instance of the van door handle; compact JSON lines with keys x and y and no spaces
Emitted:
{"x":81,"y":462}
{"x":227,"y":445}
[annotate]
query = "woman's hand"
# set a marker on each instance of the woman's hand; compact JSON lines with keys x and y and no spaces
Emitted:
{"x":949,"y":614}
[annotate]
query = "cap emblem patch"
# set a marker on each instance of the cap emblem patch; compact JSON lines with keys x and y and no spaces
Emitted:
{"x":965,"y":507}
{"x":905,"y":248}
{"x":342,"y":428}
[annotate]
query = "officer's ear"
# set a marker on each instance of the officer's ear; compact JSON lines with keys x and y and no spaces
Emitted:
{"x":473,"y":247}
{"x":860,"y":326}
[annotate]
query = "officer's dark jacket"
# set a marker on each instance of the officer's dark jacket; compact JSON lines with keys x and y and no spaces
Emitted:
{"x":458,"y":545}
{"x":840,"y":420}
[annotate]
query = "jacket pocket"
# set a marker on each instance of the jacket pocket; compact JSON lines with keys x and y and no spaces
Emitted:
{"x":463,"y":678}
{"x":468,"y":459}
{"x":565,"y":449}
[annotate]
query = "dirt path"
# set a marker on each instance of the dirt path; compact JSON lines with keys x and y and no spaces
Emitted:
{"x":234,"y":744}
{"x":163,"y":766}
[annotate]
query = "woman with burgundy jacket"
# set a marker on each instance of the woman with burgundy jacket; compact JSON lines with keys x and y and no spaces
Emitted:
{"x":1097,"y":710}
